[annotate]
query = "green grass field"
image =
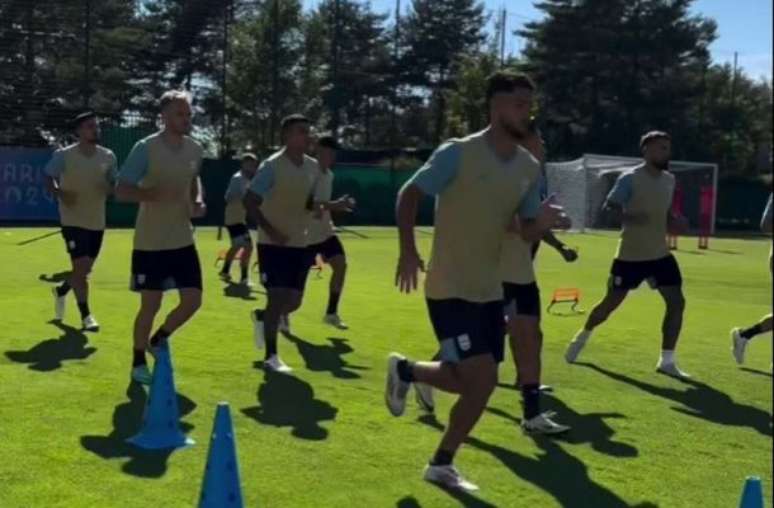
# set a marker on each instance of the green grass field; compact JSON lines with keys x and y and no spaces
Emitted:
{"x":323,"y":437}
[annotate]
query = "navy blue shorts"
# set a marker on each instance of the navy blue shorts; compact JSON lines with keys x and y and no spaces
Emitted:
{"x":467,"y":329}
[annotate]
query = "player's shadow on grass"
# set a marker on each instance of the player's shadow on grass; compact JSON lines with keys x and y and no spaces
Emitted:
{"x":234,"y":290}
{"x":49,"y":354}
{"x":554,"y":471}
{"x":464,"y":498}
{"x":700,"y":400}
{"x":327,"y":357}
{"x":127,"y":419}
{"x":287,"y":401}
{"x":589,"y":428}
{"x":54,"y":278}
{"x":756,"y":372}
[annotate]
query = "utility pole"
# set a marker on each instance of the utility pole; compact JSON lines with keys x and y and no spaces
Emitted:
{"x":335,"y":46}
{"x":227,"y":16}
{"x":393,"y":106}
{"x":274,"y":70}
{"x":503,"y":23}
{"x":87,"y":58}
{"x":732,"y":127}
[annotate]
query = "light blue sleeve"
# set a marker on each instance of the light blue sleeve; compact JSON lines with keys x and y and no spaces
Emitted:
{"x":56,"y":165}
{"x":622,"y":190}
{"x":136,"y":165}
{"x":234,"y":190}
{"x":439,"y":171}
{"x":263,"y":181}
{"x":530,"y":203}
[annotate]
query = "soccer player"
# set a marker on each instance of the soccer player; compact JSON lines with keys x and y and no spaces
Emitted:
{"x":236,"y":219}
{"x":81,"y":177}
{"x":523,"y":314}
{"x":741,"y":337}
{"x":162,"y":175}
{"x":642,"y":200}
{"x":322,"y":237}
{"x":483,"y":184}
{"x":280,"y":201}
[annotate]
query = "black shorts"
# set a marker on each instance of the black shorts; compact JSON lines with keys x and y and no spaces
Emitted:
{"x":328,"y":249}
{"x":162,"y":270}
{"x":628,"y":275}
{"x":82,"y":243}
{"x":467,"y":329}
{"x":523,"y":299}
{"x":284,"y":267}
{"x":239,"y":234}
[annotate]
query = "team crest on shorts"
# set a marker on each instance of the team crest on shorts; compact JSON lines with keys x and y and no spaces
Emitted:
{"x":140,"y":279}
{"x":463,"y":341}
{"x":71,"y":244}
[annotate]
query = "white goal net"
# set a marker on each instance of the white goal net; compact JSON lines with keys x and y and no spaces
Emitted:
{"x":582,"y":185}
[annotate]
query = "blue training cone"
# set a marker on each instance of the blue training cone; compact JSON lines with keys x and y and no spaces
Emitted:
{"x":221,"y":487}
{"x":752,"y":496}
{"x":160,"y":429}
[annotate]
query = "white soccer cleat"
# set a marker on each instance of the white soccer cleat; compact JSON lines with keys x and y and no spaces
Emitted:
{"x":544,"y":424}
{"x":424,"y":396}
{"x":90,"y":324}
{"x":59,"y":305}
{"x":284,"y":325}
{"x":574,"y":350}
{"x":448,"y":477}
{"x":396,"y":390}
{"x":142,"y":374}
{"x":335,"y":321}
{"x":256,"y":316}
{"x":274,"y":364}
{"x":738,"y":345}
{"x":671,"y":369}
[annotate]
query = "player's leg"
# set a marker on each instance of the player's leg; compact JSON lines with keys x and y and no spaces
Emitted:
{"x":740,"y":337}
{"x":338,"y":264}
{"x":244,"y":263}
{"x":624,"y":276}
{"x":150,"y":304}
{"x":225,"y":271}
{"x":185,"y":272}
{"x":668,"y":280}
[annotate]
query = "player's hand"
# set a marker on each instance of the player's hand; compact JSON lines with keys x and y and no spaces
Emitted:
{"x":569,"y":254}
{"x":199,"y":210}
{"x":344,"y":204}
{"x":552,"y":216}
{"x":67,"y":198}
{"x":278,"y":237}
{"x":407,"y":276}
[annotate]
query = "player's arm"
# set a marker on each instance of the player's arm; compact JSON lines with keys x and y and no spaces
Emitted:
{"x":197,"y":198}
{"x":132,"y":172}
{"x":260,"y":186}
{"x":111,"y":176}
{"x":53,"y":171}
{"x":566,"y":252}
{"x":534,"y":218}
{"x":439,"y":171}
{"x":345,"y":204}
{"x":620,"y":196}
{"x":766,"y":220}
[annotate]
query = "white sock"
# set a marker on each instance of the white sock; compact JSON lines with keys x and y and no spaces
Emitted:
{"x":582,"y":336}
{"x":667,"y":356}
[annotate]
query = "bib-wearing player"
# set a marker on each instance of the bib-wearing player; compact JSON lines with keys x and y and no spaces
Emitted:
{"x":483,"y":184}
{"x":162,"y":175}
{"x":235,"y":220}
{"x":642,"y":199}
{"x":81,"y":177}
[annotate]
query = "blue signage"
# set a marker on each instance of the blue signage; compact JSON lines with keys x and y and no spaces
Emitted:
{"x":23,"y":195}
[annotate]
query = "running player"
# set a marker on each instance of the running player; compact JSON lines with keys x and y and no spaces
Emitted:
{"x":280,"y":201}
{"x":482,"y":183}
{"x":162,"y":175}
{"x":236,"y":220}
{"x":322,"y":237}
{"x":741,"y":337}
{"x":642,"y":200}
{"x":81,"y":177}
{"x":523,"y":314}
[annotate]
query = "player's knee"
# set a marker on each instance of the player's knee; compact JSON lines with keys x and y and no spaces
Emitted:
{"x":676,"y":304}
{"x":192,"y":302}
{"x":150,"y":308}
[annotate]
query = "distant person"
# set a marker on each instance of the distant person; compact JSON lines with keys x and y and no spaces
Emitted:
{"x":323,"y":240}
{"x":741,"y":337}
{"x":642,"y":201}
{"x":235,"y":220}
{"x":81,"y":177}
{"x":162,"y":175}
